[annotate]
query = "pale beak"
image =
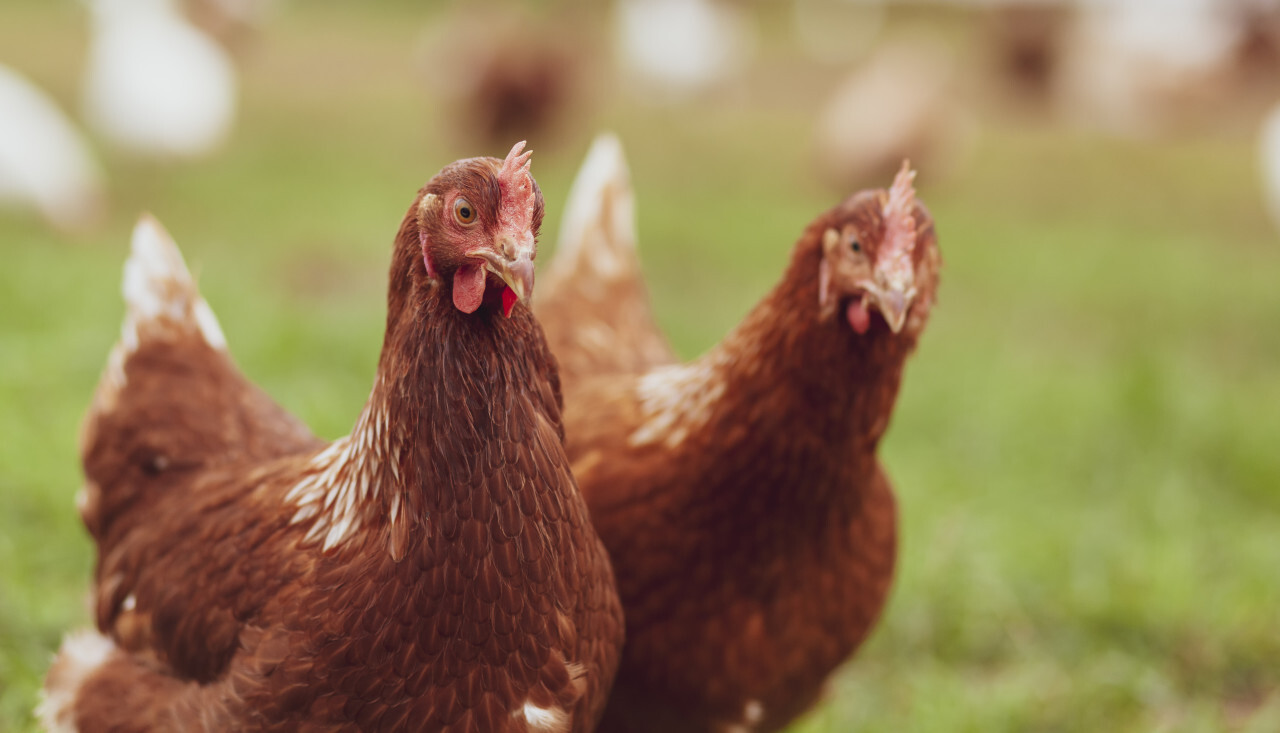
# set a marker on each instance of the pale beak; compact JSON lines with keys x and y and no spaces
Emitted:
{"x":517,"y":273}
{"x":893,"y":304}
{"x":893,"y":300}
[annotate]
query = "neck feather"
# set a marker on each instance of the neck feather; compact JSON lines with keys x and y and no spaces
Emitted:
{"x":784,"y":389}
{"x":451,"y":393}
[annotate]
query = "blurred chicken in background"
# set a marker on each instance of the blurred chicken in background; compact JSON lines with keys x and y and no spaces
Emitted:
{"x":903,"y":103}
{"x":45,"y":163}
{"x":1258,"y":52}
{"x":1269,"y":162}
{"x":1025,"y":40}
{"x":676,"y":48}
{"x":505,"y":75}
{"x":157,"y":86}
{"x":234,"y":23}
{"x":1147,"y":67}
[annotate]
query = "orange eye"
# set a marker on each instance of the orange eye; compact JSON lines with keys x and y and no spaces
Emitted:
{"x":464,"y":212}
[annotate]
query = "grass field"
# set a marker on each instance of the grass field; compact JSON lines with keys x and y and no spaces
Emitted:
{"x":1085,"y":449}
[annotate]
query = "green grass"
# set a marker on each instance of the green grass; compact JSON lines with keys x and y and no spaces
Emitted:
{"x":1085,"y":447}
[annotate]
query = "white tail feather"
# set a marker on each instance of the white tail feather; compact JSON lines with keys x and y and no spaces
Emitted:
{"x":598,"y":232}
{"x":158,"y":286}
{"x":82,"y":653}
{"x":158,"y":294}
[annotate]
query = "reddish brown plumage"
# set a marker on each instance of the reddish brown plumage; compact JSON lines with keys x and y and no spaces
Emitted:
{"x":436,"y":570}
{"x":752,"y":529}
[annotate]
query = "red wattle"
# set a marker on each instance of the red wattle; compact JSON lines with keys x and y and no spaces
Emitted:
{"x":509,"y":301}
{"x":859,"y":317}
{"x":468,"y":288}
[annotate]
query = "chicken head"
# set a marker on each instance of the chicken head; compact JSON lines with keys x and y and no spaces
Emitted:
{"x":478,"y":222}
{"x":878,"y":255}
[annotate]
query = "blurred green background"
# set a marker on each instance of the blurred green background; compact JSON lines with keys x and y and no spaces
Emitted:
{"x":1085,"y":449}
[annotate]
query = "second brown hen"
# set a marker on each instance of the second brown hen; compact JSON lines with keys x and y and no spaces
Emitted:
{"x":751,"y":526}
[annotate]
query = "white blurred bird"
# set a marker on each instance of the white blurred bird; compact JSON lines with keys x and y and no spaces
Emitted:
{"x":1269,"y":161}
{"x":45,"y":163}
{"x":156,"y":85}
{"x":1133,"y":66}
{"x":682,"y":46}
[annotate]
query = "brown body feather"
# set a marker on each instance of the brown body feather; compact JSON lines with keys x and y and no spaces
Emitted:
{"x":752,"y":528}
{"x":436,"y":570}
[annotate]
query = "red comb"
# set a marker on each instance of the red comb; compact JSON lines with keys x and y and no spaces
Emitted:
{"x":516,"y":184}
{"x":515,"y":161}
{"x":899,"y":226}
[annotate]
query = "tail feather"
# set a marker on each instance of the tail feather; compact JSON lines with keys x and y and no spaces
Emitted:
{"x":160,"y":299}
{"x":598,"y":232}
{"x":95,"y":684}
{"x":171,"y":401}
{"x":158,"y":288}
{"x":82,"y":654}
{"x":594,"y":305}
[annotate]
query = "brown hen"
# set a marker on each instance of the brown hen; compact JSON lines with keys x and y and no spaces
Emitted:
{"x":751,"y":526}
{"x":434,"y":570}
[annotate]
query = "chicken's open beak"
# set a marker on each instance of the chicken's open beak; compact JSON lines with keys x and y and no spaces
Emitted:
{"x":893,"y":303}
{"x":517,"y":273}
{"x":893,"y":300}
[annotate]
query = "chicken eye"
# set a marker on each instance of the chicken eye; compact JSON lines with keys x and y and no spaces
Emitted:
{"x":464,"y":212}
{"x":855,"y":245}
